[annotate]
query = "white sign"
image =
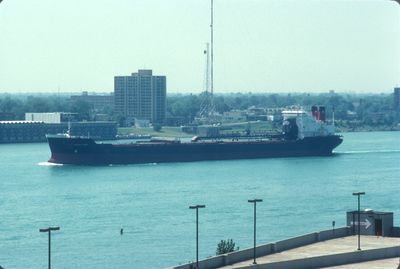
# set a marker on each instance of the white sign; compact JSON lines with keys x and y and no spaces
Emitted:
{"x":367,"y":224}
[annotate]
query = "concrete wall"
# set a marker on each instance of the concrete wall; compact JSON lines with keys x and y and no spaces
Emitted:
{"x":262,"y":250}
{"x":334,"y":233}
{"x":296,"y":242}
{"x":246,"y":254}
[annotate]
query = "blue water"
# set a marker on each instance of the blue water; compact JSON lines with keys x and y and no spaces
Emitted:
{"x":150,"y":202}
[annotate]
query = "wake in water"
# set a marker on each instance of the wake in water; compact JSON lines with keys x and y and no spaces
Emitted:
{"x":110,"y":165}
{"x":368,"y":151}
{"x":49,"y":164}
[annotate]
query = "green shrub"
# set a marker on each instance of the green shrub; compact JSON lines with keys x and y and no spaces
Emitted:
{"x":226,"y":246}
{"x":157,"y":127}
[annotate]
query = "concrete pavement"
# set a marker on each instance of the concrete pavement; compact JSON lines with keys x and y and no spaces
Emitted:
{"x":335,"y":246}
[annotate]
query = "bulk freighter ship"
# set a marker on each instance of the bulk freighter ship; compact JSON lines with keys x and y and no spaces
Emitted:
{"x":303,"y":134}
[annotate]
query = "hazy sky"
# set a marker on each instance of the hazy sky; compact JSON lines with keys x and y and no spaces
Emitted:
{"x":260,"y":45}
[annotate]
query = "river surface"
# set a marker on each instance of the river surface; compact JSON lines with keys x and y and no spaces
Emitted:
{"x":151,"y":203}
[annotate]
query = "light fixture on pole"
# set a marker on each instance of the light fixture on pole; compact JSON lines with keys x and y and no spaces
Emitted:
{"x":254,"y":201}
{"x":49,"y":230}
{"x":197,"y":231}
{"x":359,"y":223}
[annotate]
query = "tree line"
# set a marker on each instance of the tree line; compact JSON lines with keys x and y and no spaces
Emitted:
{"x":367,"y":109}
{"x":16,"y":106}
{"x":370,"y":109}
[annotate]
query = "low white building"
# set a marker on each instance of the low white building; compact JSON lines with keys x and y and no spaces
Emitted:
{"x":50,"y":117}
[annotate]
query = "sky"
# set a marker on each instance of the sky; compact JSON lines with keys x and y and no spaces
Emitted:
{"x":260,"y":46}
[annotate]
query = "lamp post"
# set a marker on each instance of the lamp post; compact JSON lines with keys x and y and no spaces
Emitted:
{"x":255,"y":201}
{"x":359,"y":224}
{"x":197,"y":231}
{"x":48,"y":230}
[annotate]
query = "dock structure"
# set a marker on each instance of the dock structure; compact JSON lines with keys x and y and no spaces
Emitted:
{"x":334,"y":248}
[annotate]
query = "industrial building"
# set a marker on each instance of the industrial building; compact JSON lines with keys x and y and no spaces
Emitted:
{"x":37,"y":125}
{"x":97,"y":101}
{"x":22,"y":131}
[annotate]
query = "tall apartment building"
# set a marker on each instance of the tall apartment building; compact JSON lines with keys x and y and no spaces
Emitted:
{"x":397,"y":98}
{"x":141,"y":96}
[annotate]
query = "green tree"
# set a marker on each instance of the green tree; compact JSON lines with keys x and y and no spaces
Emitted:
{"x":157,"y":127}
{"x":13,"y":106}
{"x":226,"y":246}
{"x":37,"y":104}
{"x":82,"y":108}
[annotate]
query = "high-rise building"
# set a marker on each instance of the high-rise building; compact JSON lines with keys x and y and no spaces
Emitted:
{"x":397,"y":98}
{"x":141,"y":96}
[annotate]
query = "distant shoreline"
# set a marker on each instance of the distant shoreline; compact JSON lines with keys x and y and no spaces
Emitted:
{"x":368,"y":129}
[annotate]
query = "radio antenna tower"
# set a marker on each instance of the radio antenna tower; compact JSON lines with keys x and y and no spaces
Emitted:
{"x":205,"y":104}
{"x":207,"y":108}
{"x":212,"y":60}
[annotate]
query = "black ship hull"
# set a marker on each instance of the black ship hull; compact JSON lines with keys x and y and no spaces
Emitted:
{"x":85,"y":151}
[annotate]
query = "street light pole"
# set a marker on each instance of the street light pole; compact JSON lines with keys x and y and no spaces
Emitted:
{"x":359,"y":224}
{"x":48,"y":230}
{"x":197,"y":231}
{"x":254,"y":201}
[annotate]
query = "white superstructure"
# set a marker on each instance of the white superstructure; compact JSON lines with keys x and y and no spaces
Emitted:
{"x":308,"y":125}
